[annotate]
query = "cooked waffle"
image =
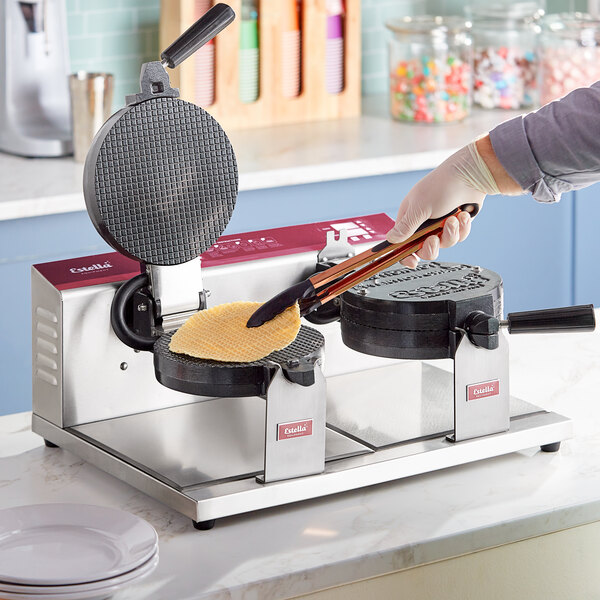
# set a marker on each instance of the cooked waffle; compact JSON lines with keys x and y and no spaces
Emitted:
{"x":220,"y":333}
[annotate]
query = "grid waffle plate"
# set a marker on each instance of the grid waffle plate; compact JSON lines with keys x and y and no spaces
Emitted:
{"x":165,"y":182}
{"x":213,"y":378}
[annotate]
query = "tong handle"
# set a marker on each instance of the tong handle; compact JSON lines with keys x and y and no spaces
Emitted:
{"x":201,"y":32}
{"x":472,"y":209}
{"x":552,"y":320}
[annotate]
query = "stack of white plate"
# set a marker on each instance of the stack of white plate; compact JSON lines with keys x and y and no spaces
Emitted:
{"x":72,"y":551}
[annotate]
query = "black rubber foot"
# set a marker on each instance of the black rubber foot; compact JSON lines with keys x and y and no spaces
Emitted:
{"x":204,"y":525}
{"x":554,"y":447}
{"x":49,"y":444}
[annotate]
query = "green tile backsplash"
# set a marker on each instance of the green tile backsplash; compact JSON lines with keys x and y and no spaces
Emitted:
{"x":114,"y":36}
{"x":118,"y":35}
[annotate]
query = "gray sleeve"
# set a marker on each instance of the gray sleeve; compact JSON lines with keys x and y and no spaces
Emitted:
{"x":554,"y":149}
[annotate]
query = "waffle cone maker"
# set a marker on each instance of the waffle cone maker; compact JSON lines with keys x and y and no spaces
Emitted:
{"x":160,"y":184}
{"x":214,"y":439}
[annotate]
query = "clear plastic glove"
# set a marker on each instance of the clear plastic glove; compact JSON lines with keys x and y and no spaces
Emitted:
{"x":464,"y":178}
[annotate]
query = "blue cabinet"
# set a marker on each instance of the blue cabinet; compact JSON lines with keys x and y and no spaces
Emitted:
{"x":586,"y":247}
{"x":530,"y":245}
{"x":24,"y":242}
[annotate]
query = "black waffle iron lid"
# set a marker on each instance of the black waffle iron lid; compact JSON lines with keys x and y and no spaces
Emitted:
{"x":415,"y":313}
{"x":161,"y":179}
{"x":426,"y":289}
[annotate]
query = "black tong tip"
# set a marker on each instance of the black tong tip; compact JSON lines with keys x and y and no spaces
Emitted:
{"x":269,"y":310}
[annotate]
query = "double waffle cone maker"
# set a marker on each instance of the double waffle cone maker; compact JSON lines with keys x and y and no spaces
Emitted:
{"x":213,"y":439}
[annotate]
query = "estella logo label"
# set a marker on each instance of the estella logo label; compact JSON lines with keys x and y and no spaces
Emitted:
{"x":294,"y":429}
{"x":483,"y":390}
{"x":92,"y":268}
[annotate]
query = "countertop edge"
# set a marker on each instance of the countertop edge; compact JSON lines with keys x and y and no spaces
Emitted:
{"x":410,"y":556}
{"x":39,"y":207}
{"x":351,"y":169}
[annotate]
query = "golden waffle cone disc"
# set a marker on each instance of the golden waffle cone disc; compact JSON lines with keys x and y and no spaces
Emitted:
{"x":220,"y":333}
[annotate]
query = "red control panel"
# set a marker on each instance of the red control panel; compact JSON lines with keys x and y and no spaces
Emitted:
{"x":252,"y":245}
{"x":292,"y":240}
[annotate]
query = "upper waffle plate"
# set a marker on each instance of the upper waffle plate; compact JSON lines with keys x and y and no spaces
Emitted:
{"x":163,"y":182}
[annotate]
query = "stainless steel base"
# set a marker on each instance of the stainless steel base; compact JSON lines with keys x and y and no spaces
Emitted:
{"x":202,"y":459}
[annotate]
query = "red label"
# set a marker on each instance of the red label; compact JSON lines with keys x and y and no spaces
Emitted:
{"x":483,"y":390}
{"x":285,"y":431}
{"x":229,"y":249}
{"x":89,"y":270}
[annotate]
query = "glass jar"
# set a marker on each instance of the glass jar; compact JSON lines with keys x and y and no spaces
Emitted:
{"x":430,"y":69}
{"x":505,"y":63}
{"x":569,"y":54}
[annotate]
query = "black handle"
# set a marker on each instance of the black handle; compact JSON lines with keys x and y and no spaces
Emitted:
{"x":552,"y":320}
{"x":118,"y":318}
{"x":201,"y":32}
{"x":472,"y":209}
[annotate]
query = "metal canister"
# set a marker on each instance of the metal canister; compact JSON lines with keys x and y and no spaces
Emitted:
{"x":91,"y":105}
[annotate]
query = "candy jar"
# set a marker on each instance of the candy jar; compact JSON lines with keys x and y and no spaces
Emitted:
{"x":569,"y":54}
{"x":505,"y":63}
{"x":430,"y":69}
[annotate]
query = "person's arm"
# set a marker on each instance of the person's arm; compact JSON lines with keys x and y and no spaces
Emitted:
{"x":555,"y":149}
{"x":506,"y":184}
{"x":547,"y":152}
{"x":464,"y":178}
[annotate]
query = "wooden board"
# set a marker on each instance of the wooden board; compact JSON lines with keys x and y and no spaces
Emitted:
{"x":272,"y":108}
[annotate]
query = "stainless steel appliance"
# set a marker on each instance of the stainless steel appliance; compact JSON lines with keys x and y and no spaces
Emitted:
{"x":334,"y":411}
{"x":372,"y":419}
{"x":34,"y":64}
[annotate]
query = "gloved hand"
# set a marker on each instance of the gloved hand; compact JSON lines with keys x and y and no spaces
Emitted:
{"x":464,"y":178}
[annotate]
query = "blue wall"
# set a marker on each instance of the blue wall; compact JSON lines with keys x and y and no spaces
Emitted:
{"x":586,"y":245}
{"x":545,"y":254}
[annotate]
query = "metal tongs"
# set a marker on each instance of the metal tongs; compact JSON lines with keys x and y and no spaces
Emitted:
{"x":323,"y":287}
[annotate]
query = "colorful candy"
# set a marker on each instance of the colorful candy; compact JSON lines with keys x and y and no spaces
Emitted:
{"x":430,"y":90}
{"x":504,"y":77}
{"x":564,"y":69}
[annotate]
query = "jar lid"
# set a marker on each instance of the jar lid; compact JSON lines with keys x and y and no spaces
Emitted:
{"x":576,"y":26}
{"x":505,"y":11}
{"x":428,"y":25}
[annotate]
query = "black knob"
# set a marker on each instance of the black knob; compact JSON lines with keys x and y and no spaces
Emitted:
{"x":482,"y":330}
{"x":552,"y":320}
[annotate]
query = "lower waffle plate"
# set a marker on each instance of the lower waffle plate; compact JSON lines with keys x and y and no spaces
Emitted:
{"x":223,"y":379}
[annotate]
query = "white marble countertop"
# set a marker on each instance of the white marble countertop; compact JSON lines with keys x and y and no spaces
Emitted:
{"x":271,"y":157}
{"x":284,"y":552}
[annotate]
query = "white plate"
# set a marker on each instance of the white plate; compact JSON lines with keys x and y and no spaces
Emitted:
{"x":82,"y":594}
{"x":66,"y":544}
{"x":141,"y":571}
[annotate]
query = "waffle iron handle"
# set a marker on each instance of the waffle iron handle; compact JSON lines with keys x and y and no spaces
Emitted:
{"x":200,"y":33}
{"x":552,"y":320}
